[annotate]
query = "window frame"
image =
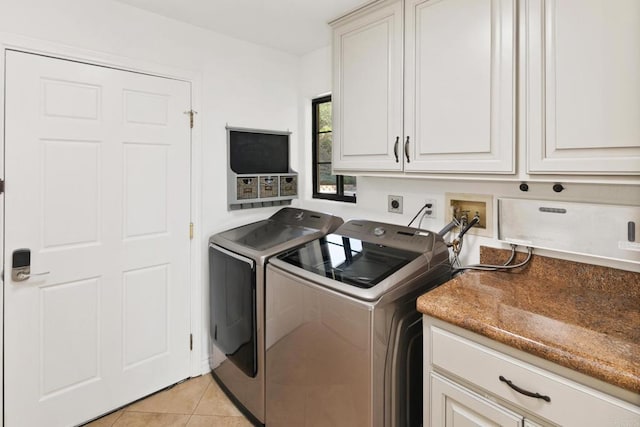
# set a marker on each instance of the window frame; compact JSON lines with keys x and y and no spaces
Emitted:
{"x":339,"y":195}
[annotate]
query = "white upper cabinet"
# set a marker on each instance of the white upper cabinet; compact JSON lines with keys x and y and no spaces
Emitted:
{"x":367,"y":91}
{"x":431,"y":87}
{"x":452,"y":110}
{"x":459,"y":89}
{"x":582,"y":69}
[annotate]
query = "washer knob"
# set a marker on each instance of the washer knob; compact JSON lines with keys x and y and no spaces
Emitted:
{"x":378,"y":231}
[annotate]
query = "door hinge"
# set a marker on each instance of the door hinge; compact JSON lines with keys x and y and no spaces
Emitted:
{"x":191,"y":114}
{"x":190,"y":231}
{"x":190,"y":341}
{"x":1,"y":186}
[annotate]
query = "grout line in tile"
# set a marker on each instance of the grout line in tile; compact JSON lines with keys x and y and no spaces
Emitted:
{"x":201,"y":397}
{"x":158,"y":413}
{"x":117,"y":418}
{"x":189,"y":420}
{"x":127,"y":407}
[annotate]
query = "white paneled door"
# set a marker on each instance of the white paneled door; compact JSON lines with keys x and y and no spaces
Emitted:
{"x":98,"y":189}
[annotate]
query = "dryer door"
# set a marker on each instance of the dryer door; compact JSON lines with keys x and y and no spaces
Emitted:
{"x":232,"y":299}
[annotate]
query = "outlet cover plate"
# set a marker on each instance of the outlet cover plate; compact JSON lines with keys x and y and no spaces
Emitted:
{"x":430,"y":212}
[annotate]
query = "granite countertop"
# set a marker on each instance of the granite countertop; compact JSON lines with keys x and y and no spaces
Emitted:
{"x":583,"y":317}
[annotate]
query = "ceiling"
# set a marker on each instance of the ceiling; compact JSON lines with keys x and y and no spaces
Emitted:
{"x":294,"y":26}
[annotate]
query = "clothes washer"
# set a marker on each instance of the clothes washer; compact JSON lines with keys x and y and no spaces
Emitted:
{"x":343,"y":336}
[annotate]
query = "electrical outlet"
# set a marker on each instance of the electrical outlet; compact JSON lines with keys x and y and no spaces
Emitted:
{"x":469,"y":205}
{"x":394,"y":204}
{"x":430,"y":210}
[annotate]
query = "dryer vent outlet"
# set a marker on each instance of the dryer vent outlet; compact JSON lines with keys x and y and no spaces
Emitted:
{"x":394,"y":204}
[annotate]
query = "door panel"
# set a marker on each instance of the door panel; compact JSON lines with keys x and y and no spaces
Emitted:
{"x":367,"y":92}
{"x":98,"y":161}
{"x":145,"y":186}
{"x":145,"y":337}
{"x":582,"y":84}
{"x":71,"y":193}
{"x":454,"y":406}
{"x":459,"y":85}
{"x":76,"y":362}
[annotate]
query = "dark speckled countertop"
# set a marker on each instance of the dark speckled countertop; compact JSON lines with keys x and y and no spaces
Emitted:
{"x":580,"y":316}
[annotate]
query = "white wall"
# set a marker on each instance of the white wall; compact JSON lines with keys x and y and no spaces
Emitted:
{"x":315,"y":79}
{"x":242,"y":84}
{"x":250,"y":86}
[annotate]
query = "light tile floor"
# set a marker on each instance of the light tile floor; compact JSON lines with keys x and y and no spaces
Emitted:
{"x":198,"y":402}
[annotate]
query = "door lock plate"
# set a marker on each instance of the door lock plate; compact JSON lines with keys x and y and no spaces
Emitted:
{"x":20,"y":274}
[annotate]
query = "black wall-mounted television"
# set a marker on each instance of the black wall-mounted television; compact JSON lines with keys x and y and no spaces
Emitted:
{"x":258,"y":153}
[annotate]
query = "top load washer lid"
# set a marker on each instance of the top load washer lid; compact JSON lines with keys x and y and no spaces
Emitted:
{"x":368,"y":260}
{"x":349,"y":260}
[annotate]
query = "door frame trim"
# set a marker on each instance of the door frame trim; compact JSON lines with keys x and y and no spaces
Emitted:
{"x":194,"y":78}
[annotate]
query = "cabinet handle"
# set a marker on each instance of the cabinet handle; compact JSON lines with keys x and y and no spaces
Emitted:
{"x":395,"y":149}
{"x":406,"y":149}
{"x":523,"y":391}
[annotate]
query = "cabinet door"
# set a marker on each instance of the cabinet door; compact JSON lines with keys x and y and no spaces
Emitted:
{"x":459,"y":87}
{"x":367,"y":91}
{"x":454,"y":406}
{"x":582,"y":76}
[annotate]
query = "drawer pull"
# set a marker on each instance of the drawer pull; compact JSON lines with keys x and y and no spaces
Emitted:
{"x":523,"y":391}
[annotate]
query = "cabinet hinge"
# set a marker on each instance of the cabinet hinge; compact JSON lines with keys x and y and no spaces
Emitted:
{"x":190,"y":341}
{"x":191,"y":114}
{"x":1,"y":186}
{"x":190,"y":231}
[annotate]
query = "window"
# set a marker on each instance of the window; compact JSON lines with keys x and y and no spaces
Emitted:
{"x":326,"y":185}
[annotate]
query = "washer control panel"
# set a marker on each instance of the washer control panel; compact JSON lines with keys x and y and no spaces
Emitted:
{"x":393,"y":235}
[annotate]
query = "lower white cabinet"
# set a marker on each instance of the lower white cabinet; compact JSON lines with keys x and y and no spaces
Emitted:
{"x":454,"y":406}
{"x":468,"y":381}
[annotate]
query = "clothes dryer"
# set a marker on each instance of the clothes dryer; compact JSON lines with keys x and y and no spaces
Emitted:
{"x":237,"y":260}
